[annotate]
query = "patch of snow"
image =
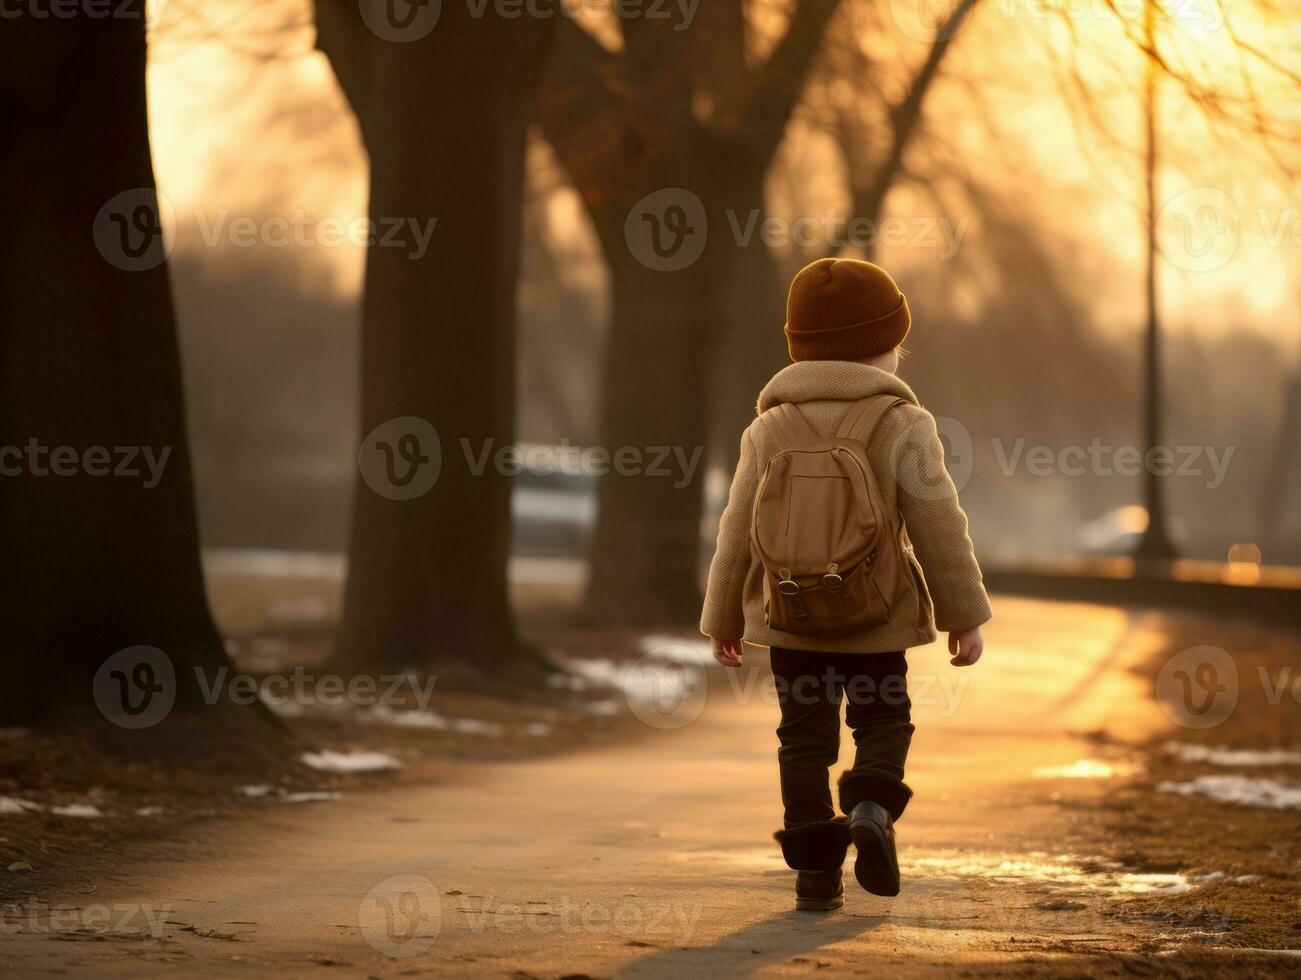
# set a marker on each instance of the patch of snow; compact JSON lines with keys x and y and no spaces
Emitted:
{"x":384,"y":715}
{"x":263,"y":791}
{"x":651,"y":678}
{"x":1155,"y":884}
{"x":12,"y":805}
{"x":1086,"y":769}
{"x":673,"y":649}
{"x":77,"y":810}
{"x":538,"y":728}
{"x":1241,"y":790}
{"x":999,"y":867}
{"x":311,"y":796}
{"x":660,"y":683}
{"x":595,"y":673}
{"x":149,"y":811}
{"x":474,"y":726}
{"x":568,"y":681}
{"x":1233,"y":757}
{"x":665,"y":673}
{"x":1260,"y":951}
{"x":328,"y":761}
{"x":1062,"y":870}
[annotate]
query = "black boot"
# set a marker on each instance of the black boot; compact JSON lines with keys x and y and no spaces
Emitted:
{"x":819,"y":891}
{"x":817,"y":850}
{"x":877,"y":865}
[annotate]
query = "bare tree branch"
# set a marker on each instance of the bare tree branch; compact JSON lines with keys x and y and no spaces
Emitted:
{"x":907,"y":115}
{"x":780,"y":81}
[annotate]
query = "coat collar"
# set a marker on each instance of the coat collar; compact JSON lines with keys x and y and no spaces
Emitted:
{"x":815,"y":381}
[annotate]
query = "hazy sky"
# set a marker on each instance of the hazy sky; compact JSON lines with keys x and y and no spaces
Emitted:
{"x":247,"y":121}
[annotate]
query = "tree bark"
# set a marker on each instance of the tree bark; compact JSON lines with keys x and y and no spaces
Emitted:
{"x":663,"y":325}
{"x":444,"y":120}
{"x":96,"y":558}
{"x":624,"y":126}
{"x":753,"y":346}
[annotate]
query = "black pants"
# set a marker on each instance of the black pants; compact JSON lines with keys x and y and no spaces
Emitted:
{"x":810,"y":687}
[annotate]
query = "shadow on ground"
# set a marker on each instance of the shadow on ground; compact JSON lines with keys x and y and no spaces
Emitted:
{"x":779,"y":938}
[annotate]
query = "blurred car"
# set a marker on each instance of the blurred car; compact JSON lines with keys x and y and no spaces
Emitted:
{"x":1117,"y":532}
{"x":554,"y":507}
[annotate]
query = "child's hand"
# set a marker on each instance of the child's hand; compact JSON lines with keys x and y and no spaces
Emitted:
{"x":727,"y":652}
{"x":965,"y":648}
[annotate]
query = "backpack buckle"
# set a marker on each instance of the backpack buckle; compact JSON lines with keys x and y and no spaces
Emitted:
{"x":831,"y":580}
{"x":789,"y":588}
{"x":786,"y":585}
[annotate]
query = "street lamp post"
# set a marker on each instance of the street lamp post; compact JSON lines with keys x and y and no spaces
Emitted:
{"x":1155,"y":543}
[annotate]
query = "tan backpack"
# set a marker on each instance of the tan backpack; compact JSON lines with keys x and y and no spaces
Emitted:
{"x":832,"y":557}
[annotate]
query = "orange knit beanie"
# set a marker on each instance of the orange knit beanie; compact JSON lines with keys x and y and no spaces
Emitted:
{"x":844,"y":310}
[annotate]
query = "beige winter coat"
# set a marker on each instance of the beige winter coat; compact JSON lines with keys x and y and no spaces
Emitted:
{"x":907,"y":458}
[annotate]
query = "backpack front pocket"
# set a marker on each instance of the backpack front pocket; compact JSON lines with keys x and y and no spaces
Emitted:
{"x":826,"y":605}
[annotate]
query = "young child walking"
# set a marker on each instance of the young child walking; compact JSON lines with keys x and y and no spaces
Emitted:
{"x":843,"y":544}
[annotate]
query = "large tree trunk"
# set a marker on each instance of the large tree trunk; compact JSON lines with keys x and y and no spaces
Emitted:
{"x":92,"y":564}
{"x":663,"y":325}
{"x":647,"y":549}
{"x":687,"y":350}
{"x":445,"y":120}
{"x":628,"y":131}
{"x":753,"y":346}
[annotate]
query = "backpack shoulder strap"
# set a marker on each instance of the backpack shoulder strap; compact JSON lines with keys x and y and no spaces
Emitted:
{"x":864,"y":416}
{"x":787,"y":426}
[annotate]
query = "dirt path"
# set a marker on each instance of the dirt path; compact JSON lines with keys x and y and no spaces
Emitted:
{"x":654,"y":857}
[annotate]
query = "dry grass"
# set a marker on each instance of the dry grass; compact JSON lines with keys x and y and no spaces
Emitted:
{"x":1153,"y":831}
{"x":163,"y":783}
